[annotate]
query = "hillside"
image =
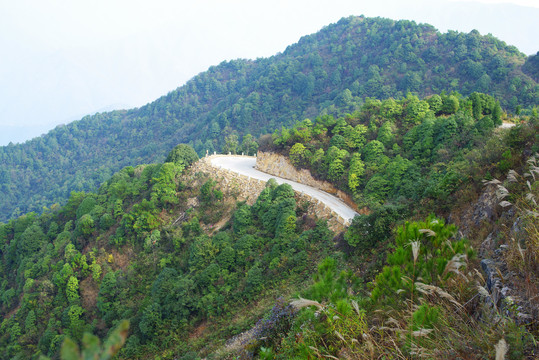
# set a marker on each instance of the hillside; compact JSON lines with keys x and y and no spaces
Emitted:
{"x":328,"y":72}
{"x":166,"y":248}
{"x":200,"y":273}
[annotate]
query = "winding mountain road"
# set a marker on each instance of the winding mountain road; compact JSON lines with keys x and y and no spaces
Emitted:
{"x":244,"y":165}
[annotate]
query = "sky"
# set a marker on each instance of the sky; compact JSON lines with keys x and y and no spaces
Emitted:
{"x":62,"y":59}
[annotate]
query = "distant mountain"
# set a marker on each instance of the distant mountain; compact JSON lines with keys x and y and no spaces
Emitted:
{"x":336,"y":68}
{"x":531,"y":67}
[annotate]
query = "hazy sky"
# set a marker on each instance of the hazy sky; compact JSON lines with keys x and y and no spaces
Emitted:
{"x":63,"y":59}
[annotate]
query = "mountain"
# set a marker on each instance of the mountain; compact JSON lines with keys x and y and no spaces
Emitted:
{"x":338,"y":67}
{"x":167,"y":260}
{"x":531,"y":67}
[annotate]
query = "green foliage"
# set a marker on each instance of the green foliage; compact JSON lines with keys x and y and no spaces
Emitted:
{"x":435,"y":103}
{"x":385,"y":134}
{"x":332,"y":71}
{"x":182,"y":155}
{"x":151,"y":318}
{"x":355,"y":172}
{"x":172,"y":292}
{"x":210,"y":193}
{"x":85,"y":225}
{"x":424,"y":250}
{"x":450,"y":105}
{"x":425,"y":317}
{"x":231,"y":144}
{"x":336,"y":170}
{"x":367,"y":231}
{"x":86,"y":206}
{"x":255,"y":280}
{"x":319,"y":328}
{"x":112,"y":290}
{"x":249,"y":146}
{"x":329,"y":284}
{"x":167,"y":268}
{"x":30,"y":322}
{"x":396,"y":151}
{"x":164,"y":190}
{"x":72,"y":289}
{"x":75,"y":323}
{"x":298,"y":154}
{"x":373,"y":152}
{"x":242,"y":219}
{"x":415,"y":110}
{"x":96,"y":271}
{"x":92,"y":348}
{"x":106,"y":221}
{"x":31,"y":240}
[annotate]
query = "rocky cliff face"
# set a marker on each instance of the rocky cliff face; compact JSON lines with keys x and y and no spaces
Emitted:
{"x":496,"y":233}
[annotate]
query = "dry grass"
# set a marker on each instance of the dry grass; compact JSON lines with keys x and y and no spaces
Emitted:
{"x":501,"y":349}
{"x":89,"y":291}
{"x":523,"y":254}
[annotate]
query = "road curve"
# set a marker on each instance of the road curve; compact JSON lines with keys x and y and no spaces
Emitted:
{"x":244,"y":165}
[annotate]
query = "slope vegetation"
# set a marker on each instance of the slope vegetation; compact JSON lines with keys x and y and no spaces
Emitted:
{"x":332,"y":70}
{"x":190,"y":268}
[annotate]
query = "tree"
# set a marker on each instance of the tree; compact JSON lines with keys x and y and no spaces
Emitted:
{"x":435,"y":103}
{"x":85,"y":225}
{"x":297,"y":154}
{"x":231,"y":144}
{"x":76,"y":324}
{"x":249,"y":146}
{"x":415,"y":110}
{"x":106,"y":221}
{"x":86,"y":206}
{"x":377,"y":188}
{"x":255,"y":279}
{"x":422,"y":251}
{"x":92,"y":348}
{"x":95,"y":268}
{"x":164,"y":190}
{"x":496,"y":114}
{"x":182,"y":154}
{"x":215,"y":130}
{"x":336,"y":170}
{"x":390,"y":109}
{"x":242,"y":219}
{"x":385,"y":134}
{"x":151,"y":318}
{"x":174,"y":293}
{"x":367,"y":231}
{"x":30,"y":323}
{"x":355,"y":172}
{"x":31,"y":240}
{"x":72,"y":289}
{"x":355,"y":137}
{"x":373,"y":152}
{"x":450,"y":105}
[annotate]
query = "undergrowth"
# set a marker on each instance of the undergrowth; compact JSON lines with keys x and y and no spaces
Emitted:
{"x":426,"y":303}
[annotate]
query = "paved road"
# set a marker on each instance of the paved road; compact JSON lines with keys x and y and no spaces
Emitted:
{"x":506,"y":125}
{"x":244,"y":165}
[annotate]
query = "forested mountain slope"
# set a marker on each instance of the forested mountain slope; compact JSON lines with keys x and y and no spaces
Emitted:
{"x":333,"y":69}
{"x":191,"y":268}
{"x":148,"y":247}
